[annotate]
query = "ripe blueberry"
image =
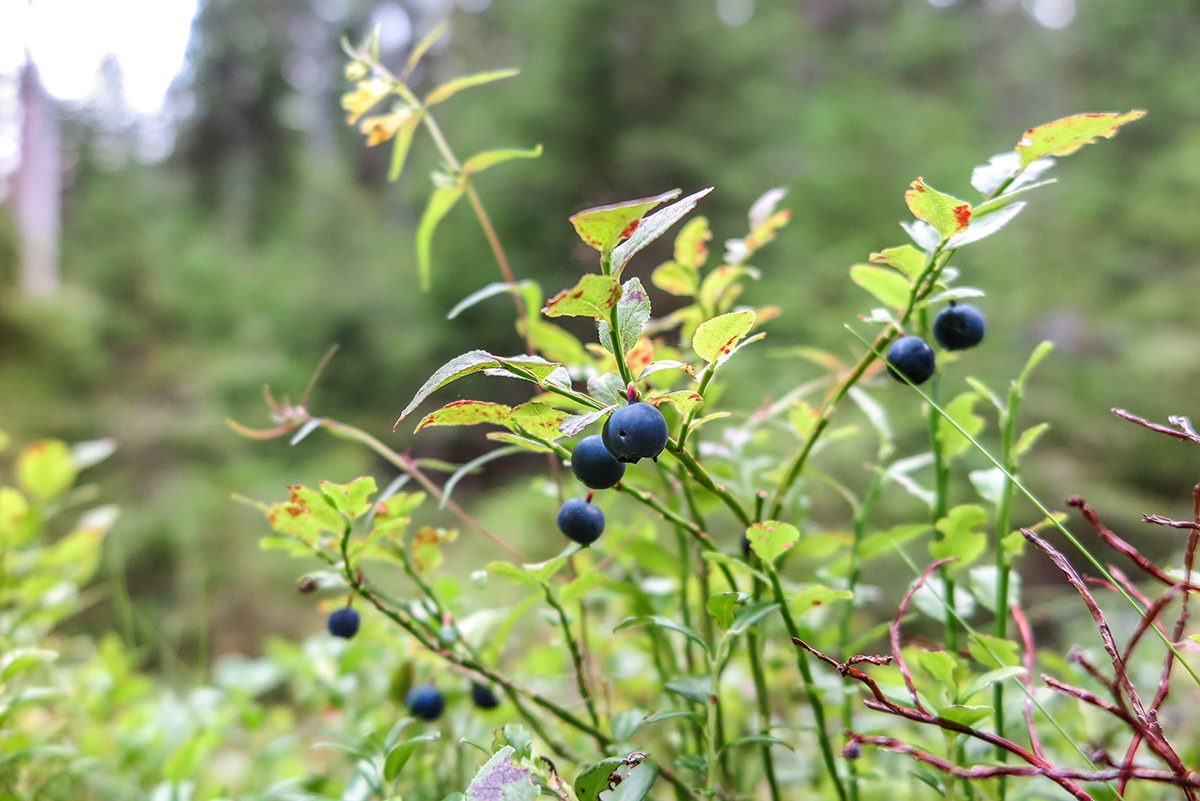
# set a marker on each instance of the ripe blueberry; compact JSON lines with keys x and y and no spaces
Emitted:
{"x":343,"y":622}
{"x":580,"y":521}
{"x":911,"y":357}
{"x":483,"y":696}
{"x":634,"y":432}
{"x":594,"y":465}
{"x":959,"y":326}
{"x":425,"y":701}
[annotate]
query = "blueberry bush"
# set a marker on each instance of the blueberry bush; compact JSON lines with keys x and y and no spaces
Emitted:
{"x":717,"y":638}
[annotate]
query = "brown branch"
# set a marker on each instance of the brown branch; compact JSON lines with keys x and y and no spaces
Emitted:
{"x":1029,"y":655}
{"x":894,"y":630}
{"x":1117,"y":543}
{"x":1185,"y":432}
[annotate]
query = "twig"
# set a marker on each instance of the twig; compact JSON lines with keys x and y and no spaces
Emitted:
{"x":1186,"y":432}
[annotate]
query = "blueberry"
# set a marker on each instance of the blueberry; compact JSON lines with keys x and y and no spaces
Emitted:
{"x":483,"y":696}
{"x":594,"y":465}
{"x":959,"y":326}
{"x":343,"y":622}
{"x":911,"y":357}
{"x":425,"y":701}
{"x":635,"y":432}
{"x":580,"y":521}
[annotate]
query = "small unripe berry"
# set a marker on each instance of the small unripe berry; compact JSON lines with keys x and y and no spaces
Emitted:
{"x":637,"y":431}
{"x":911,"y":357}
{"x":592,"y":463}
{"x":483,"y":697}
{"x":343,"y":622}
{"x":580,"y":521}
{"x":959,"y":326}
{"x":425,"y":701}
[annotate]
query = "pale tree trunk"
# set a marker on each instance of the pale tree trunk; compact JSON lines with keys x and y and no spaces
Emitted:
{"x":37,"y":202}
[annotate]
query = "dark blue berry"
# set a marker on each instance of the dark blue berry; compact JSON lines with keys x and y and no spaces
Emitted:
{"x":483,"y":696}
{"x":594,"y":465}
{"x":959,"y":326}
{"x":343,"y":622}
{"x":911,"y":357}
{"x":580,"y":521}
{"x":637,"y":431}
{"x":425,"y":701}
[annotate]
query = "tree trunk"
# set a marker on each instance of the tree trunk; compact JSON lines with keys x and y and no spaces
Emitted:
{"x":37,"y":203}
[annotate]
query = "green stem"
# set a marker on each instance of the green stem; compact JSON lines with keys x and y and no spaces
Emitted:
{"x":941,"y":505}
{"x":576,"y":659}
{"x":754,"y":644}
{"x":702,"y":477}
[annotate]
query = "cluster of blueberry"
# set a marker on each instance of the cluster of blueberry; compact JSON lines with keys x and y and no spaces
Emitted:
{"x":633,"y":432}
{"x":424,"y":701}
{"x":957,"y":327}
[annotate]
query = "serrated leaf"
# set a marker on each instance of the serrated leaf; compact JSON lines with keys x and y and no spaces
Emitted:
{"x":947,"y":214}
{"x":905,"y":258}
{"x":353,"y":499}
{"x":490,"y":158}
{"x":660,"y":622}
{"x":654,"y":226}
{"x":539,"y":420}
{"x":468,"y":413}
{"x":449,"y":89}
{"x":771,"y":539}
{"x":441,"y":201}
{"x":502,"y":779}
{"x":962,"y":411}
{"x":715,"y":338}
{"x":593,"y":296}
{"x":960,"y":540}
{"x":633,"y":312}
{"x":45,"y":469}
{"x":602,"y":227}
{"x":398,"y":757}
{"x":1064,"y":136}
{"x":888,"y":286}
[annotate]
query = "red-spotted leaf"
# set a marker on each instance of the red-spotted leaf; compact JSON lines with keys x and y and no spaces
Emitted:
{"x":352,"y":500}
{"x":594,"y":296}
{"x":45,"y":469}
{"x":947,"y":214}
{"x":1065,"y":136}
{"x":538,"y":419}
{"x":602,"y":227}
{"x":633,"y":312}
{"x":716,"y":337}
{"x":654,"y":226}
{"x":771,"y":539}
{"x":531,"y":368}
{"x":468,"y":413}
{"x":691,"y":246}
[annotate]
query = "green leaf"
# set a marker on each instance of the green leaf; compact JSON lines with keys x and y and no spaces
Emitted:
{"x":496,"y":288}
{"x":490,"y":158}
{"x":941,"y":665}
{"x":539,"y":420}
{"x":352,"y":500}
{"x":594,"y":778}
{"x":691,"y":245}
{"x":983,"y":226}
{"x":45,"y":469}
{"x":676,"y":279}
{"x":960,"y":541}
{"x":449,"y":89}
{"x":964,"y":715}
{"x":626,"y":723}
{"x":1039,"y":354}
{"x":981,"y":683}
{"x":905,"y":258}
{"x":724,"y":605}
{"x":751,"y":614}
{"x":422,"y":47}
{"x":947,"y":214}
{"x":511,"y":571}
{"x":19,"y":660}
{"x":1029,"y":438}
{"x":440,"y":202}
{"x":398,"y":757}
{"x":633,"y":312}
{"x":771,"y":539}
{"x":594,"y":296}
{"x":530,"y":367}
{"x":1064,"y":136}
{"x":17,"y":524}
{"x":693,"y":688}
{"x":636,"y":784}
{"x":887,"y":286}
{"x":994,"y":652}
{"x":758,"y":739}
{"x":402,"y":144}
{"x":602,"y":227}
{"x":660,"y":622}
{"x":815,"y":596}
{"x":468,"y":413}
{"x":962,"y":411}
{"x":715,"y":338}
{"x":502,"y":779}
{"x":654,"y":226}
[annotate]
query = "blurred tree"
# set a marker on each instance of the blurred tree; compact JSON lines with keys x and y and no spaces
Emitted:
{"x":36,"y":201}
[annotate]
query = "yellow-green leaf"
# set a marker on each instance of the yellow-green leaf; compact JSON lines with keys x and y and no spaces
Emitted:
{"x":602,"y":227}
{"x":422,"y":47}
{"x":451,"y":88}
{"x":691,"y":245}
{"x":771,"y":539}
{"x":887,"y":286}
{"x":539,"y":420}
{"x":17,"y":524}
{"x":905,"y":258}
{"x":468,"y":413}
{"x":45,"y":469}
{"x":352,"y":500}
{"x":402,"y":143}
{"x":439,"y":205}
{"x":490,"y":158}
{"x":716,"y":337}
{"x":594,"y":296}
{"x":1064,"y":136}
{"x":947,"y":214}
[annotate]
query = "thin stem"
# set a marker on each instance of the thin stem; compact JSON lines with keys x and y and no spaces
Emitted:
{"x":576,"y":658}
